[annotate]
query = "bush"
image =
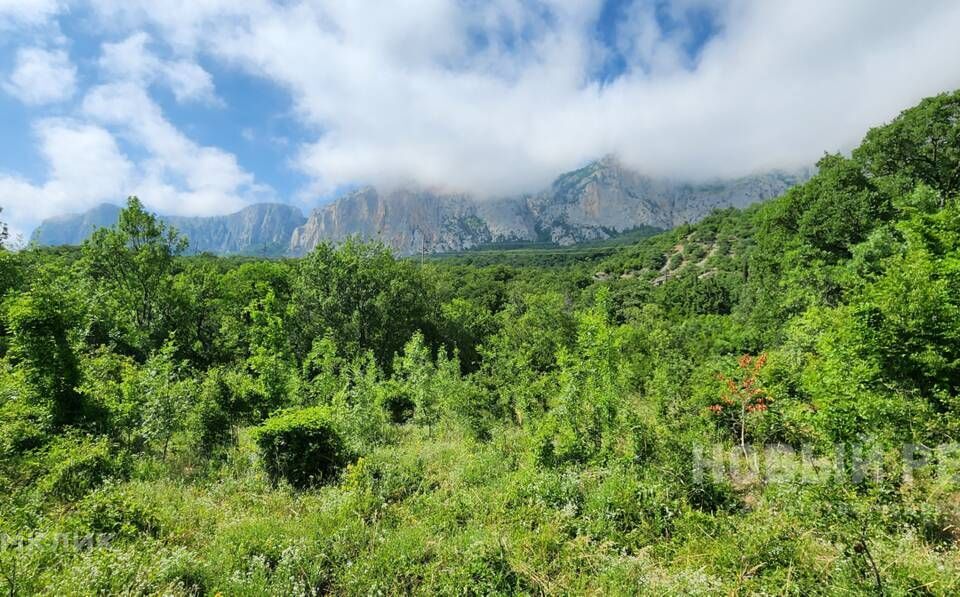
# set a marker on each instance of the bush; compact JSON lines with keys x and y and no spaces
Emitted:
{"x":77,"y":464}
{"x":398,"y":404}
{"x":23,"y":427}
{"x":301,"y":447}
{"x":116,"y":512}
{"x":210,"y":423}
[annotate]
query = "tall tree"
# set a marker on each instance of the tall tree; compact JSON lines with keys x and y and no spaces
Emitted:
{"x":132,"y":262}
{"x":40,"y":322}
{"x":363,"y":296}
{"x":922,"y":143}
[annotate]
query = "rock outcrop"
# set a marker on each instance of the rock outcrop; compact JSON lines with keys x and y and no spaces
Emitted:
{"x":595,"y":202}
{"x":260,"y":229}
{"x":592,"y":203}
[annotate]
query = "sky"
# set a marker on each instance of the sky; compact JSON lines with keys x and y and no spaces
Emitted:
{"x":200,"y":107}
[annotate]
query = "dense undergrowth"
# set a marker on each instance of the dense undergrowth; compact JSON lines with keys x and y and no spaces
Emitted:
{"x":764,"y":402}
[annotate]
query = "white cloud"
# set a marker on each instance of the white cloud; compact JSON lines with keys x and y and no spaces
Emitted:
{"x":42,"y":76}
{"x":84,"y":160}
{"x":189,"y":81}
{"x":129,"y":59}
{"x":493,"y":98}
{"x":85,"y":167}
{"x":496,"y":97}
{"x":16,"y":13}
{"x":179,"y":176}
{"x":132,"y":60}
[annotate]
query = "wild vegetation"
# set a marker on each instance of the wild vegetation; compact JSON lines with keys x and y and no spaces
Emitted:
{"x":765,"y":402}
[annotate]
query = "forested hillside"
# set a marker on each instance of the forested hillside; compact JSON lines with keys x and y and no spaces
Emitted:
{"x":767,"y":401}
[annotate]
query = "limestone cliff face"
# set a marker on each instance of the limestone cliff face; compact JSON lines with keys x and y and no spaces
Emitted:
{"x":261,"y":229}
{"x":73,"y":229}
{"x":594,"y":202}
{"x":601,"y":199}
{"x":605,"y":197}
{"x":410,"y":221}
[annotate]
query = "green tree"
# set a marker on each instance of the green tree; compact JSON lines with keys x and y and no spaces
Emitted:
{"x":911,"y":313}
{"x":40,"y":322}
{"x":197,"y":312}
{"x":363,"y":296}
{"x":836,"y":208}
{"x":921,"y":144}
{"x":242,"y":290}
{"x":132,"y":263}
{"x":465,"y":325}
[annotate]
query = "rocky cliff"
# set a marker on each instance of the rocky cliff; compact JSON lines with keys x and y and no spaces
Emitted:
{"x":73,"y":229}
{"x":261,"y":229}
{"x":595,"y":202}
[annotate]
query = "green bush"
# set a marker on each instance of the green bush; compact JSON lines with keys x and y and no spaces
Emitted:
{"x":301,"y":447}
{"x":398,"y":404}
{"x":23,"y":427}
{"x":116,"y":512}
{"x":77,"y":464}
{"x":211,"y":424}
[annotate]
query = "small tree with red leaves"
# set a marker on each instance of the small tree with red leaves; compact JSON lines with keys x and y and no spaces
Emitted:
{"x":742,"y":395}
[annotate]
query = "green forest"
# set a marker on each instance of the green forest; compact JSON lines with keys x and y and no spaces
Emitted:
{"x":763,"y":402}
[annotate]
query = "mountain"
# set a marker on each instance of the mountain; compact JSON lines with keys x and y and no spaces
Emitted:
{"x":592,"y":203}
{"x":73,"y":229}
{"x":595,"y":202}
{"x":262,"y":229}
{"x":409,"y":221}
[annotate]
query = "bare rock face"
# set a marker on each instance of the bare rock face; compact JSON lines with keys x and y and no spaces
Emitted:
{"x":413,"y":221}
{"x":605,"y":198}
{"x":261,"y":229}
{"x":73,"y":229}
{"x":595,"y":202}
{"x":592,"y":203}
{"x":601,"y":199}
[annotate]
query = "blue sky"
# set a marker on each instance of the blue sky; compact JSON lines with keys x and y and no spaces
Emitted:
{"x":203,"y":106}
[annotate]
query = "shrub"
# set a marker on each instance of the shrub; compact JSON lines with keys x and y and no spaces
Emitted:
{"x":23,"y":427}
{"x":301,"y":447}
{"x":39,"y":323}
{"x":77,"y":464}
{"x":398,"y":404}
{"x":626,"y":509}
{"x":114,"y":511}
{"x":210,"y":424}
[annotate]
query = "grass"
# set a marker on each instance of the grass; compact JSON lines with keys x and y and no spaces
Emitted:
{"x":437,"y":512}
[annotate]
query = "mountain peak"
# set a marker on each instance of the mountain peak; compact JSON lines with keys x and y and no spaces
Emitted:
{"x":594,"y":202}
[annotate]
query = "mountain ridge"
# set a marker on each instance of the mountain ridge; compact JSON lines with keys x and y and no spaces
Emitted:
{"x":595,"y":202}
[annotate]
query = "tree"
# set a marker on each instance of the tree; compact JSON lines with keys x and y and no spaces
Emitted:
{"x":132,"y":262}
{"x":40,"y":322}
{"x":164,"y":394}
{"x":245,"y":289}
{"x":922,"y":144}
{"x":363,"y":296}
{"x":910,"y":314}
{"x":836,"y":208}
{"x":742,"y":396}
{"x":465,"y":325}
{"x":196,"y":297}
